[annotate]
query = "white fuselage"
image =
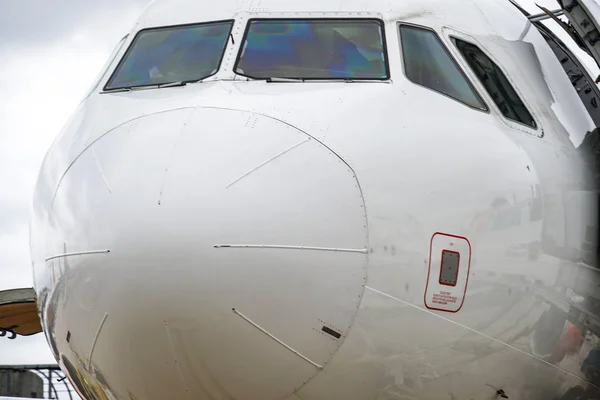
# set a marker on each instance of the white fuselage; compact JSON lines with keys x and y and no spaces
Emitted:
{"x":236,"y":239}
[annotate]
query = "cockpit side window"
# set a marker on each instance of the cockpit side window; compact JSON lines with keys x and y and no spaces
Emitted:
{"x":427,"y":62}
{"x":313,"y":49}
{"x":496,"y":83}
{"x":184,"y":53}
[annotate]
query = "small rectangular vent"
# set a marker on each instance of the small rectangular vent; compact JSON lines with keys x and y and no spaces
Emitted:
{"x":331,"y":332}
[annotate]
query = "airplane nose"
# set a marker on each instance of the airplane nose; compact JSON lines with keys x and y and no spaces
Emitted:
{"x":237,"y":255}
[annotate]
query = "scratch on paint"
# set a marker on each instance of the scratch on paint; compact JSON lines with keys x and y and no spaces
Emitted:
{"x":269,"y":246}
{"x":79,"y":253}
{"x":170,"y":339}
{"x":182,"y":130}
{"x":308,"y":360}
{"x":89,"y":363}
{"x":101,"y":170}
{"x":267,"y":162}
{"x":201,"y":383}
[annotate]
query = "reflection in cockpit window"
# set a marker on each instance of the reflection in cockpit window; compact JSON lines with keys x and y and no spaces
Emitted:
{"x":314,"y":49}
{"x":428,"y":63}
{"x":496,"y":83}
{"x":172,"y":54}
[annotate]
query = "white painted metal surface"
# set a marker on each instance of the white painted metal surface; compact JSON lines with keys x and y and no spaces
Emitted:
{"x":271,"y":240}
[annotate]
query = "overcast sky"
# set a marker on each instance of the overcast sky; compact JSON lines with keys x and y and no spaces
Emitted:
{"x":50,"y":53}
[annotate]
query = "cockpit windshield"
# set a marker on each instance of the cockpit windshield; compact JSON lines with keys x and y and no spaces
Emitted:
{"x":172,"y":54}
{"x":314,"y":49}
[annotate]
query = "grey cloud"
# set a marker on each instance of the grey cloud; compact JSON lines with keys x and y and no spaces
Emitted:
{"x":35,"y":21}
{"x":13,"y":215}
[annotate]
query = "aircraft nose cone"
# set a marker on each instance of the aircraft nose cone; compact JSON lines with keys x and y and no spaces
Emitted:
{"x":237,"y":254}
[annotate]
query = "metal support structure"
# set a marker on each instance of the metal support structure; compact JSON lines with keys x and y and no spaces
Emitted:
{"x":544,"y":16}
{"x":48,"y":372}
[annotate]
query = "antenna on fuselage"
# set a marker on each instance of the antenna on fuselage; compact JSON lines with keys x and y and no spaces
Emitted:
{"x":547,"y":14}
{"x":541,"y":16}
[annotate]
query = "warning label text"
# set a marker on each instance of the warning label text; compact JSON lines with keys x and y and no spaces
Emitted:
{"x":444,"y":298}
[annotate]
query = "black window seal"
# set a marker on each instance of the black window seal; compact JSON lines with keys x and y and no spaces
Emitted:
{"x":513,"y":86}
{"x":378,"y":20}
{"x":485,"y":110}
{"x":164,"y":27}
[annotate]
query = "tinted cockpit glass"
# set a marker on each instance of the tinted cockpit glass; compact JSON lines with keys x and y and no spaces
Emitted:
{"x":496,"y":83}
{"x":172,"y":54}
{"x":313,"y":49}
{"x":428,"y":63}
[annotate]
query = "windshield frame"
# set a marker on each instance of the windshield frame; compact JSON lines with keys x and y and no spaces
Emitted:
{"x":462,"y":69}
{"x":107,"y":67}
{"x":378,"y":21}
{"x":133,"y":42}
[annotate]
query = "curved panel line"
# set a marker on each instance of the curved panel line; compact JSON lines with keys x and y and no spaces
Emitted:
{"x":94,"y":141}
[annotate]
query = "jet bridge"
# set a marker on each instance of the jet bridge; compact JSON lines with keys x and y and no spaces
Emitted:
{"x":583,"y":25}
{"x":18,"y":313}
{"x":583,"y":28}
{"x":584,"y":17}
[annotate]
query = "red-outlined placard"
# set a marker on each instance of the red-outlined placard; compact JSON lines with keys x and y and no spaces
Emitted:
{"x":440,"y":296}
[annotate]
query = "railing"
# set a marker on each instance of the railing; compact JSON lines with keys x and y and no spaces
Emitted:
{"x":56,"y":384}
